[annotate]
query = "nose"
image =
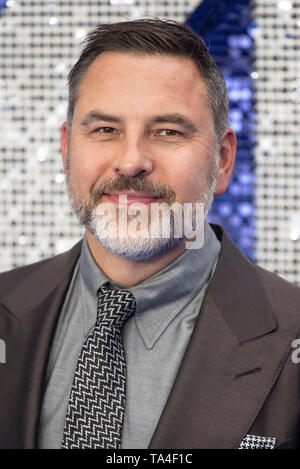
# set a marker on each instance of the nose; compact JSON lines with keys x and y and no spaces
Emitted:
{"x":133,"y":160}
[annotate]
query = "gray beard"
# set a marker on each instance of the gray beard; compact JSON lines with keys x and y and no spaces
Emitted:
{"x":138,"y":248}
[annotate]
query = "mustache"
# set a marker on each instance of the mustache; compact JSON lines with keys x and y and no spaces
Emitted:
{"x":136,"y":184}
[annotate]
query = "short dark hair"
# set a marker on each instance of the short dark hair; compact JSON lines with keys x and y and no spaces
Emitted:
{"x":152,"y":36}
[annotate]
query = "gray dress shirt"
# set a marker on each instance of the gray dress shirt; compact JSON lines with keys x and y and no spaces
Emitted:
{"x":155,"y":339}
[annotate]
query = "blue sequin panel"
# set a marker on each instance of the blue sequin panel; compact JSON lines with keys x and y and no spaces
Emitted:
{"x":226,"y":27}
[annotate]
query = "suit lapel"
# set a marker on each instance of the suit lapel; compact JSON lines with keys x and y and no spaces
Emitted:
{"x":234,"y":356}
{"x":28,"y":330}
{"x":221,"y":385}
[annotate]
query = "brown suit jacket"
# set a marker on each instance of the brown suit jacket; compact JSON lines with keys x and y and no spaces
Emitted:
{"x":236,"y":377}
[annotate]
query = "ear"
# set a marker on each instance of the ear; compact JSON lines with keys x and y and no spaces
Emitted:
{"x":64,"y":143}
{"x":227,"y":160}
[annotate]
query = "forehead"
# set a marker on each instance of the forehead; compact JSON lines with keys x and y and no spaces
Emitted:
{"x":153,"y":80}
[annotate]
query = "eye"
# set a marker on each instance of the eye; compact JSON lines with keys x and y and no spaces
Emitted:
{"x":169,"y":132}
{"x":104,"y":130}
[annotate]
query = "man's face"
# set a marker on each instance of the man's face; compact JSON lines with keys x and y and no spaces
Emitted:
{"x":141,"y":124}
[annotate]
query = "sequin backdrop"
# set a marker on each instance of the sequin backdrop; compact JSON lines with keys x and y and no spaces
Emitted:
{"x":255,"y":43}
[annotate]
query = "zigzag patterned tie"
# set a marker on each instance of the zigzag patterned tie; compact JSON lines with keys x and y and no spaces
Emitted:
{"x":96,"y":406}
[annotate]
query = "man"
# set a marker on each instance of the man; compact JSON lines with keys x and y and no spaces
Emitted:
{"x":136,"y":341}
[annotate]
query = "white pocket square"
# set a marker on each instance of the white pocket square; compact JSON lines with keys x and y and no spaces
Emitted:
{"x":257,"y":442}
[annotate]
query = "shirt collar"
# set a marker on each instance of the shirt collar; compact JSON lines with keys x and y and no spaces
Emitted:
{"x":162,"y":296}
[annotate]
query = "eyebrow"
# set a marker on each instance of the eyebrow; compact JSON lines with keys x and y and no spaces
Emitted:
{"x":175,"y":118}
{"x":98,"y":116}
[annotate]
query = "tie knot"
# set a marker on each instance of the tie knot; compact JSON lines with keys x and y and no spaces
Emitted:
{"x":114,"y":306}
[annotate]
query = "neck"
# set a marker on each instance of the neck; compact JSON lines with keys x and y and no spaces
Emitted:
{"x":129,"y":272}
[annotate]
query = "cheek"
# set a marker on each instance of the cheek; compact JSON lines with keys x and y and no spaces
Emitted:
{"x":87,"y":165}
{"x":188,"y":175}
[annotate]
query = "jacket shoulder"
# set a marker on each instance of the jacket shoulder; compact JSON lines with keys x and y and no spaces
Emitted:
{"x":283,"y":296}
{"x":274,"y":282}
{"x":10,"y":278}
